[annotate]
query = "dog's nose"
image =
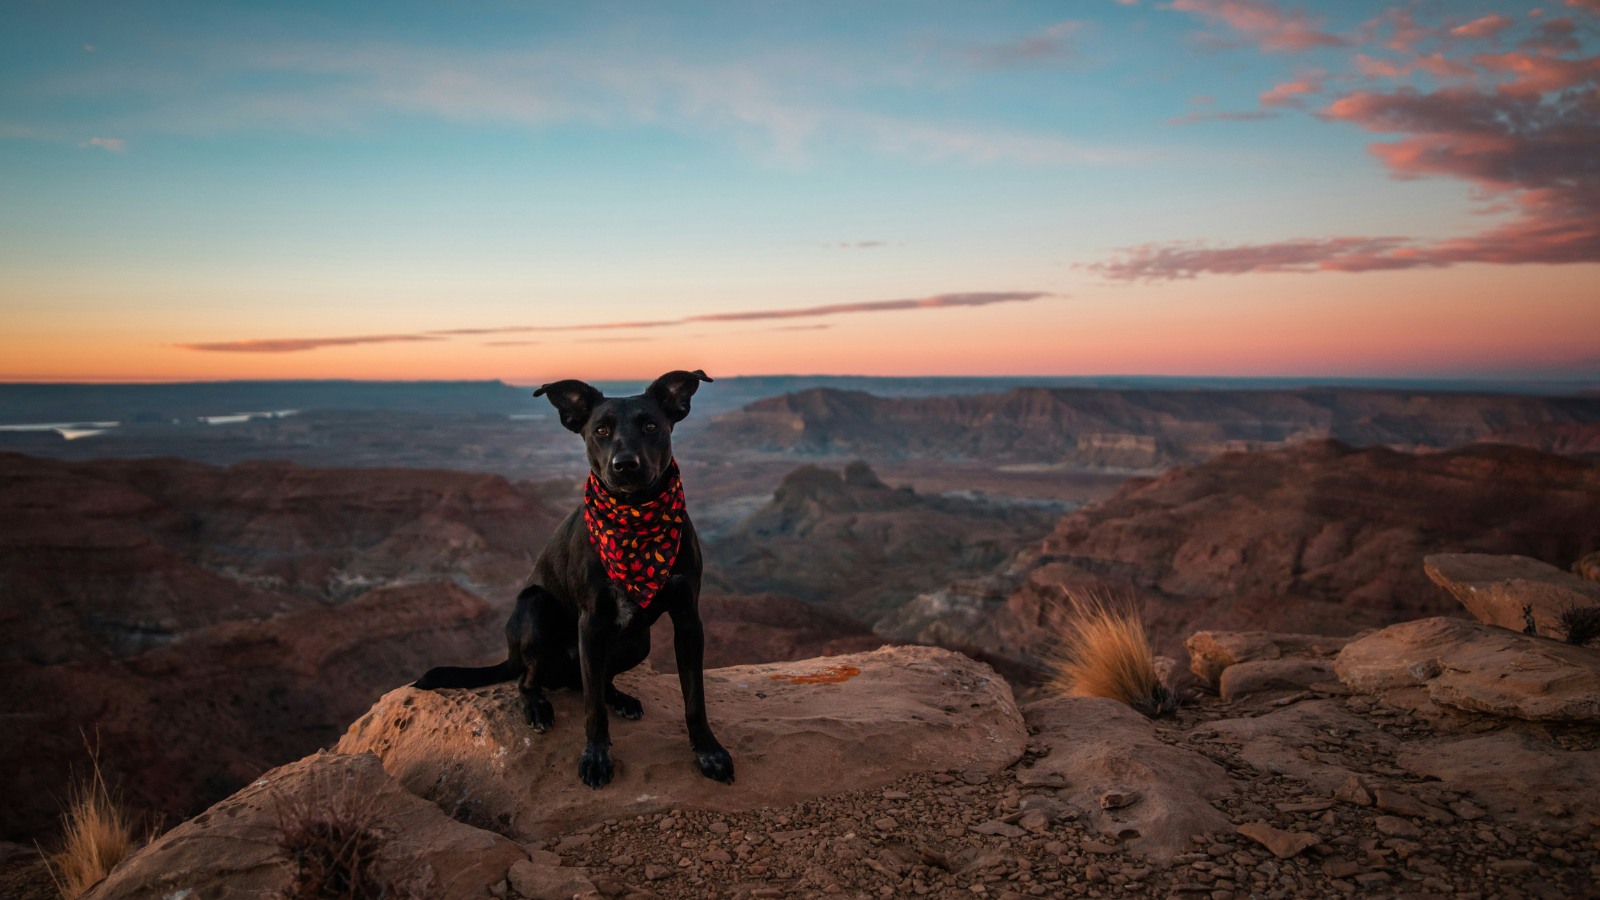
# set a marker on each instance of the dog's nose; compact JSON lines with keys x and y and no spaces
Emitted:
{"x":624,"y":462}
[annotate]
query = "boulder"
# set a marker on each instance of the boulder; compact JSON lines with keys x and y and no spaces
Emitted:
{"x":231,"y":849}
{"x":1213,"y":652}
{"x":1497,"y":588}
{"x":1258,"y":675}
{"x":796,"y":730}
{"x":1129,"y":785}
{"x":1478,"y":668}
{"x":1588,"y":566}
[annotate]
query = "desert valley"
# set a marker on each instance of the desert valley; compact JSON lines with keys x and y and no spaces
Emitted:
{"x":204,"y":602}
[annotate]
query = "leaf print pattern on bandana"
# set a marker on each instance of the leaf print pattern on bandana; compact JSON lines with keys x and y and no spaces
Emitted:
{"x":637,"y":544}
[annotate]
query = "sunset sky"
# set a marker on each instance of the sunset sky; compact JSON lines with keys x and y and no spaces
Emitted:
{"x":529,"y":191}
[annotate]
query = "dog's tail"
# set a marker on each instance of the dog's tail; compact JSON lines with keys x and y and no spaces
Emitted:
{"x":463,"y":677}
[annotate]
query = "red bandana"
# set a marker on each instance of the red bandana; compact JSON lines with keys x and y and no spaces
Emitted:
{"x":638,"y":544}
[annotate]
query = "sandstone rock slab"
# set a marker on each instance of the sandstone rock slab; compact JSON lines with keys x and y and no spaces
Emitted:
{"x":1274,"y":742}
{"x":1514,"y":775}
{"x":1213,"y":652}
{"x":795,"y":730}
{"x":1478,"y":668}
{"x":231,"y":850}
{"x":1259,"y":675}
{"x":1496,"y":588}
{"x":1099,"y":748}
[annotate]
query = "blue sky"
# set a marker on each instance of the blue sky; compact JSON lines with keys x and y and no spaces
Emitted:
{"x":178,"y":181}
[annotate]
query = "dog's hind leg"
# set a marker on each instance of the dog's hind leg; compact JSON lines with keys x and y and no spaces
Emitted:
{"x":533,"y":633}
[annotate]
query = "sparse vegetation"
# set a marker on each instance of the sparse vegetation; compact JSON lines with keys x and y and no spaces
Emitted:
{"x":97,"y":833}
{"x":1581,"y":624}
{"x":1103,"y":651}
{"x":335,"y":847}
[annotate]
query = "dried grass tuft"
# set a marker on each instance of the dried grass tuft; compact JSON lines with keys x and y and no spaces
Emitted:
{"x":97,"y":834}
{"x":1581,"y":624}
{"x":1102,"y":651}
{"x":336,"y":847}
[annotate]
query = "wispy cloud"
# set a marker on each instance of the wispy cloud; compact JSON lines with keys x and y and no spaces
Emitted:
{"x":856,"y":245}
{"x":1269,"y":26}
{"x":110,"y":145}
{"x":937,"y":301}
{"x":1053,"y":44}
{"x":1482,"y":27}
{"x":297,"y":345}
{"x":1293,"y":93}
{"x":1248,"y":115}
{"x":783,"y":106}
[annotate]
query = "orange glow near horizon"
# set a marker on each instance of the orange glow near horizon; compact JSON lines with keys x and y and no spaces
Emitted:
{"x":1421,"y":322}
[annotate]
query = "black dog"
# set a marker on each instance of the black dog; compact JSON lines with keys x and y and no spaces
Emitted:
{"x":612,"y":568}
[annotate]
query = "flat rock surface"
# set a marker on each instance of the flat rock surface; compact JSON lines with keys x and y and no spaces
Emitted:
{"x":1496,"y":588}
{"x":231,"y":850}
{"x":1107,"y":763}
{"x":1278,"y":742}
{"x":795,"y":730}
{"x":1479,"y":668}
{"x":1524,"y":777}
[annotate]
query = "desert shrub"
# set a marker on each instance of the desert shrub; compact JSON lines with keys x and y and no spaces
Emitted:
{"x":97,"y":833}
{"x":1581,"y":624}
{"x":335,"y":845}
{"x":1102,"y":651}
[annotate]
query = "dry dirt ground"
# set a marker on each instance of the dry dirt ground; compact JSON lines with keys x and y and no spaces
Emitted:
{"x":959,"y":834}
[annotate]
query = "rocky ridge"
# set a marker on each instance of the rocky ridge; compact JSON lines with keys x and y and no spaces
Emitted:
{"x":1136,"y":429}
{"x":1320,"y":538}
{"x":1300,"y":785}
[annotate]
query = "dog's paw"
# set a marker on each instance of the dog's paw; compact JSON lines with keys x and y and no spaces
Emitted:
{"x":715,"y":764}
{"x":624,"y":705}
{"x":538,"y":712}
{"x":595,"y":767}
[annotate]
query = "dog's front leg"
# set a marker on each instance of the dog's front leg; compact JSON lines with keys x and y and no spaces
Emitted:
{"x":594,"y":634}
{"x":689,"y":645}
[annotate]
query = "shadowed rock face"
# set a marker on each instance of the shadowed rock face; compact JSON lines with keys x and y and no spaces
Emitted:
{"x":1319,"y":538}
{"x":852,"y":544}
{"x":201,"y":624}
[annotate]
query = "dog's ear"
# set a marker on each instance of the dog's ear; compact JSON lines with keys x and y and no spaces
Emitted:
{"x":574,"y":400}
{"x":673,"y":391}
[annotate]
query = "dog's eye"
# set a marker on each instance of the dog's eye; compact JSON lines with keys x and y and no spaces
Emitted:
{"x":602,"y":431}
{"x":649,"y":428}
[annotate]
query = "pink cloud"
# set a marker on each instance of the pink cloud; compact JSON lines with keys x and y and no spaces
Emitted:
{"x":937,"y":301}
{"x":1434,"y":64}
{"x":296,"y":345}
{"x":1554,"y":37}
{"x":1536,"y":75}
{"x":1484,"y":27}
{"x":1590,"y":5}
{"x":1526,"y":143}
{"x":1289,"y":93}
{"x":1270,"y":26}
